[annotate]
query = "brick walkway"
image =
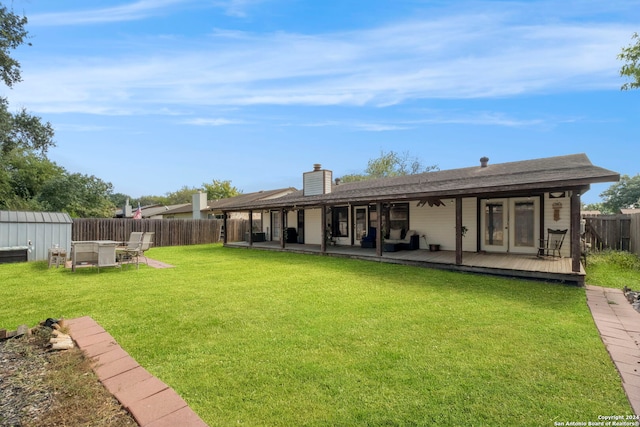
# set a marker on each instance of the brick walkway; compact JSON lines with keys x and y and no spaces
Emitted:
{"x":151,"y":402}
{"x":619,"y":327}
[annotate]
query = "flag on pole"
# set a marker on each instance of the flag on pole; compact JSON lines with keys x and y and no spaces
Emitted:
{"x":138,"y":213}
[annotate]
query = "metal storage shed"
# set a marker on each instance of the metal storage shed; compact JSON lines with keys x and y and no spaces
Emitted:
{"x":27,"y":236}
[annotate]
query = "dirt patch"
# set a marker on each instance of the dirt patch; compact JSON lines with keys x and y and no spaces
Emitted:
{"x":40,"y":387}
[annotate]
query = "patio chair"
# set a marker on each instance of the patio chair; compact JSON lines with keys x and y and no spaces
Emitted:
{"x":369,"y":241}
{"x":552,"y":245}
{"x":145,"y":244}
{"x":131,"y":249}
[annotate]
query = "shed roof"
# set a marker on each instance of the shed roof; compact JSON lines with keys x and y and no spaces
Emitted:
{"x":35,"y":217}
{"x":545,"y":174}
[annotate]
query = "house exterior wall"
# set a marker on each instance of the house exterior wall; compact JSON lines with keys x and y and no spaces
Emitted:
{"x":312,"y":227}
{"x":559,"y":221}
{"x":438,"y":224}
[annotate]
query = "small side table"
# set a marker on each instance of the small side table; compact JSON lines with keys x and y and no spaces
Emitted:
{"x":57,"y":256}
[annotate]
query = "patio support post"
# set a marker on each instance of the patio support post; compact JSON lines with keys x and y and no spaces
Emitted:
{"x":575,"y":231}
{"x":224,"y":225}
{"x":283,"y":224}
{"x":250,"y":228}
{"x":323,"y":231}
{"x":379,"y":231}
{"x":458,"y":230}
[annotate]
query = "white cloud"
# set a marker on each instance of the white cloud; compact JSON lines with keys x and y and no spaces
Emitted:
{"x":128,"y":12}
{"x":201,"y":121}
{"x":450,"y":57}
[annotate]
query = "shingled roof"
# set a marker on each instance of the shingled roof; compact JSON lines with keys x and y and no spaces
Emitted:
{"x":529,"y":176}
{"x":220,"y":204}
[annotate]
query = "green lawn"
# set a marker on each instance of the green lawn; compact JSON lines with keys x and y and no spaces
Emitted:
{"x":249,"y":337}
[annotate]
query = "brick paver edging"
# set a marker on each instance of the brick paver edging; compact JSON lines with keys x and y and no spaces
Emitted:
{"x":619,"y":327}
{"x":151,"y":402}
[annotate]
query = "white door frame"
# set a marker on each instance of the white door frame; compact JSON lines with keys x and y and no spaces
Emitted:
{"x":507,"y":223}
{"x":531,"y":242}
{"x":500,"y":224}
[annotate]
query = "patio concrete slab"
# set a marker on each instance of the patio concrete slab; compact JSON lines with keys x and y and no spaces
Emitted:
{"x":149,"y":400}
{"x":617,"y":323}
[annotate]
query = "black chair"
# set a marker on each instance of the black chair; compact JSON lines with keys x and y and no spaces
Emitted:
{"x":292,"y":235}
{"x":552,"y":245}
{"x":369,"y":241}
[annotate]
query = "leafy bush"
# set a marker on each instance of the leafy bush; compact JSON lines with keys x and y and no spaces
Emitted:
{"x":614,"y":269}
{"x":622,"y":259}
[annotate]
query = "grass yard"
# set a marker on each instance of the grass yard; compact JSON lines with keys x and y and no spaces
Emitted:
{"x":250,"y":337}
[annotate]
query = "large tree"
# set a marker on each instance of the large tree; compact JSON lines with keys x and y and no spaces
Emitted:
{"x":17,"y":130}
{"x":631,"y":68}
{"x":388,"y":165}
{"x":218,"y":189}
{"x":79,"y":195}
{"x":623,"y":194}
{"x":28,"y":180}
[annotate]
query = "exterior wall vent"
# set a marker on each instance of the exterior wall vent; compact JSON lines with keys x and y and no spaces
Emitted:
{"x":317,"y":181}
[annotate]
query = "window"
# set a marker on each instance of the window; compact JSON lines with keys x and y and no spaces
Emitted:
{"x":340,"y":220}
{"x":399,"y":216}
{"x":275,"y":225}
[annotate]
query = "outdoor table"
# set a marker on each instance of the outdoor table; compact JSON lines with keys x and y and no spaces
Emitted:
{"x":99,"y":253}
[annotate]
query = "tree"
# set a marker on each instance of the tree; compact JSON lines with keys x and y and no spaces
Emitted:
{"x":119,"y":199}
{"x":220,"y":190}
{"x":183,"y":195}
{"x":388,"y":165}
{"x":623,"y":194}
{"x":631,"y":55}
{"x":20,"y":129}
{"x":594,"y":207}
{"x":79,"y":195}
{"x":23,"y":175}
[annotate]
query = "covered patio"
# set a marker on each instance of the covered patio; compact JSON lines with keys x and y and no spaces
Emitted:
{"x":500,"y":264}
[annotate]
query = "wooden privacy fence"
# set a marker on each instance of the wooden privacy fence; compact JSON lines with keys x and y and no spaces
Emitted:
{"x":635,"y":234}
{"x":168,"y":232}
{"x":611,"y":232}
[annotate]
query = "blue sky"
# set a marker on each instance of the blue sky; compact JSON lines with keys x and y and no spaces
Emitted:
{"x":154,"y":95}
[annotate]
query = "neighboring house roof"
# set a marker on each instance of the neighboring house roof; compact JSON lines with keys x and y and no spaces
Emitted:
{"x":217,"y":206}
{"x":630,"y":211}
{"x":154,"y":210}
{"x":590,"y":213}
{"x":563,"y":172}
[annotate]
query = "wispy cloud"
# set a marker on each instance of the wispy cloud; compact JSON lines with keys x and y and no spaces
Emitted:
{"x":455,"y":56}
{"x":237,"y":8}
{"x":127,"y":12}
{"x":211,"y":122}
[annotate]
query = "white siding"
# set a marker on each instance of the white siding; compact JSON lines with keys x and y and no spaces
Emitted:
{"x":317,"y":182}
{"x":561,"y":223}
{"x":266,"y":224}
{"x":438,"y":224}
{"x":470,"y":220}
{"x":312,"y":228}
